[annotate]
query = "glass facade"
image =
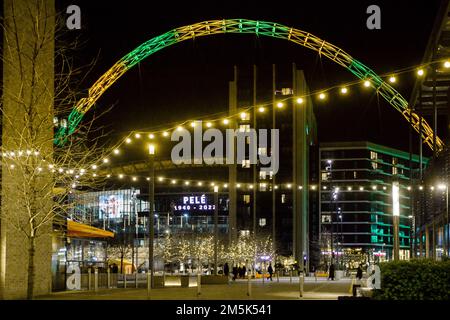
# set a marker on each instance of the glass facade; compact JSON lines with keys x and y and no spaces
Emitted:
{"x":356,"y":200}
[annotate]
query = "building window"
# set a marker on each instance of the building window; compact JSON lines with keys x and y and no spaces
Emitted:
{"x":287,"y":91}
{"x":373,"y":155}
{"x":394,"y":161}
{"x":262,"y":151}
{"x":246,"y":198}
{"x":262,"y":175}
{"x":244,"y":128}
{"x":355,"y":176}
{"x":326,"y":218}
{"x":394,"y":170}
{"x":283,"y":198}
{"x":246,"y":163}
{"x":262,"y":222}
{"x":245,"y":116}
{"x":263,"y":187}
{"x":244,"y":233}
{"x":324,"y":176}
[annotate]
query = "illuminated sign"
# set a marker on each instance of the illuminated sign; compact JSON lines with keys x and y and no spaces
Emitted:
{"x":395,"y":199}
{"x":189,"y":203}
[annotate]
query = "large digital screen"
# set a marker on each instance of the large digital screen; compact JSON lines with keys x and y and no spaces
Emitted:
{"x":110,"y":206}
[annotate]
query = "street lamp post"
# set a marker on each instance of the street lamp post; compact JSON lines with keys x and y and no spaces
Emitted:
{"x":216,"y":227}
{"x":396,"y":217}
{"x":151,"y":211}
{"x":331,"y":212}
{"x":445,"y":241}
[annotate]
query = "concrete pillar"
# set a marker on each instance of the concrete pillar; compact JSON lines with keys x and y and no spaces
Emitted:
{"x":27,"y":123}
{"x":303,"y":137}
{"x":232,"y":168}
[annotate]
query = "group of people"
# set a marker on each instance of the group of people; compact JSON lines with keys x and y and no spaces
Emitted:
{"x":239,"y":272}
{"x":359,"y":272}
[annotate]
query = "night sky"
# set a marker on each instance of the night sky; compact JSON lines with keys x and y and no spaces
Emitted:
{"x":190,"y":79}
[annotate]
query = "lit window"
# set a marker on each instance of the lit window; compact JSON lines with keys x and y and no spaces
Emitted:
{"x":262,"y":175}
{"x":246,"y":163}
{"x":246,"y":198}
{"x":287,"y":91}
{"x":394,"y":170}
{"x":244,"y":233}
{"x":373,"y":155}
{"x":324,"y":176}
{"x":326,"y":218}
{"x":263,"y":187}
{"x":244,"y":128}
{"x":262,"y":151}
{"x":283,"y":198}
{"x":262,"y":222}
{"x":245,"y":116}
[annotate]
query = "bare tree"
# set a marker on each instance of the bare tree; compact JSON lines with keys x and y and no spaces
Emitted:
{"x":37,"y":176}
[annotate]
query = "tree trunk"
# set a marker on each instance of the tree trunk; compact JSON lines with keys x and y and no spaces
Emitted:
{"x":121,"y":263}
{"x":31,"y":269}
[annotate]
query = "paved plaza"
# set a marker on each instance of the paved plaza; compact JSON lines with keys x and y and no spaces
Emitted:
{"x":283,"y":289}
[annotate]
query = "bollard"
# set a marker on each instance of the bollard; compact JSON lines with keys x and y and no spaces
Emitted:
{"x":89,"y":279}
{"x":108,"y":280}
{"x":351,"y":285}
{"x":300,"y":281}
{"x":290,"y":276}
{"x":124,"y":280}
{"x":149,"y":284}
{"x":199,"y":284}
{"x":249,"y":286}
{"x":96,"y":280}
{"x":136,"y":280}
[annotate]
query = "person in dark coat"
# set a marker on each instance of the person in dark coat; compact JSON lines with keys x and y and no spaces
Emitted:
{"x":239,"y":270}
{"x":115,"y":268}
{"x":243,"y":272}
{"x":226,"y":269}
{"x":359,"y":273}
{"x":235,"y":272}
{"x":270,"y":270}
{"x":331,"y":272}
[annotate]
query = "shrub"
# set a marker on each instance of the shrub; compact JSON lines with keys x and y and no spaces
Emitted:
{"x":422,"y":279}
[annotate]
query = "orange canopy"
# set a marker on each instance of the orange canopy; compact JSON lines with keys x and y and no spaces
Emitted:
{"x":79,"y":230}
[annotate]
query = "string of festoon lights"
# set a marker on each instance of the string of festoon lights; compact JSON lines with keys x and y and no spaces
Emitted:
{"x":94,"y":173}
{"x":211,"y":121}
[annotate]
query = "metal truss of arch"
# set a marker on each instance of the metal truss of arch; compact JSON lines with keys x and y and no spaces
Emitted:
{"x":263,"y":28}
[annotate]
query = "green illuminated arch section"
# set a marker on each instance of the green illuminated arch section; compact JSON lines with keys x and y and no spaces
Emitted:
{"x":263,"y":28}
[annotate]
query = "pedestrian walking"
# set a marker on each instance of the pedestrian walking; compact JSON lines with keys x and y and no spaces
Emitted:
{"x":235,"y":273}
{"x":244,"y":269}
{"x":239,"y":271}
{"x":270,"y":270}
{"x":331,"y":272}
{"x":226,"y":269}
{"x":359,"y":273}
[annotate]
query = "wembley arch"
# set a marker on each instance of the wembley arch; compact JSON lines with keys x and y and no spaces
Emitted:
{"x":259,"y":28}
